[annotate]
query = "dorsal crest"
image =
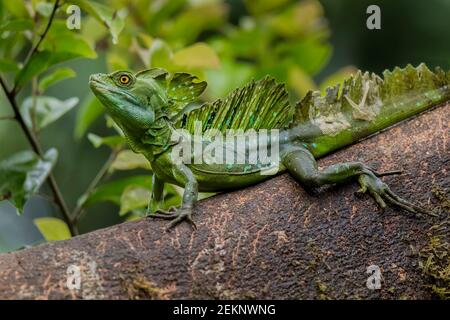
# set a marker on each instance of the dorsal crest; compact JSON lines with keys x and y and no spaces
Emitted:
{"x":261,"y":104}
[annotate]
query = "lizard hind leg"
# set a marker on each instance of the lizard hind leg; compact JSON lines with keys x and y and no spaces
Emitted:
{"x":303,"y":167}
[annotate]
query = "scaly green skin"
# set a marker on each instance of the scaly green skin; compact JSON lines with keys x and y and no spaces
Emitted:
{"x":151,"y":105}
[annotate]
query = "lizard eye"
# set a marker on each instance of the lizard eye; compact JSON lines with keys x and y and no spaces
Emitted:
{"x":124,"y":79}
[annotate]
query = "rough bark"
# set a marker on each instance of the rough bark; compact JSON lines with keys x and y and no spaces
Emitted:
{"x":272,"y":240}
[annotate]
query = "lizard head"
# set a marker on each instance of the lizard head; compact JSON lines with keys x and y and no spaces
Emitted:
{"x":136,"y":100}
{"x":132,"y":100}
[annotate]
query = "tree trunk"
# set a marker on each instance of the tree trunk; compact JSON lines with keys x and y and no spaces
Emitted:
{"x":271,"y":240}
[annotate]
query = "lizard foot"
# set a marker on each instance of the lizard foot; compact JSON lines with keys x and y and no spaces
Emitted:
{"x":382,"y":194}
{"x":176,"y":215}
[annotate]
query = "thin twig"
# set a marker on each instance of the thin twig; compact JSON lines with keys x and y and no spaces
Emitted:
{"x":34,"y":49}
{"x":7,"y":118}
{"x":38,"y":150}
{"x":34,"y":94}
{"x":47,"y":27}
{"x":78,"y":211}
{"x":30,"y":136}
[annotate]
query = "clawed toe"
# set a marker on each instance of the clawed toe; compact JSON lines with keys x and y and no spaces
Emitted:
{"x":180,"y":218}
{"x":176,"y":215}
{"x":382,"y":194}
{"x":396,"y":200}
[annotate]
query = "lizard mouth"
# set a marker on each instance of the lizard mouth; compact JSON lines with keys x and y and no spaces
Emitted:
{"x":97,"y":85}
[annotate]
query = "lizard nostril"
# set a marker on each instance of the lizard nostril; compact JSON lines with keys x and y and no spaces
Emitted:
{"x":96,"y":77}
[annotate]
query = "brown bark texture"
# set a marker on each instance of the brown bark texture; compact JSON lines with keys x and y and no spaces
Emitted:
{"x":269,"y":241}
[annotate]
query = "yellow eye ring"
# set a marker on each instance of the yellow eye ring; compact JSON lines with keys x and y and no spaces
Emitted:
{"x":124,"y":79}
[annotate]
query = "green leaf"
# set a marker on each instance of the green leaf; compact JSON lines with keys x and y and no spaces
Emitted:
{"x":252,"y":40}
{"x":8,"y":65}
{"x":92,"y":30}
{"x":309,"y":55}
{"x":160,"y":54}
{"x":111,"y":141}
{"x":44,"y":8}
{"x":304,"y":18}
{"x":68,"y":46}
{"x":116,"y":61}
{"x":65,"y":44}
{"x":17,"y":8}
{"x":90,"y":109}
{"x":60,"y":44}
{"x":186,"y":26}
{"x":300,"y":81}
{"x":140,"y":45}
{"x":128,"y":160}
{"x":112,"y":191}
{"x":16,"y":25}
{"x":22,"y":174}
{"x":55,"y":77}
{"x":38,"y":63}
{"x":112,"y":19}
{"x":199,"y":55}
{"x":258,"y":7}
{"x":53,"y":229}
{"x":48,"y":110}
{"x":133,"y":197}
{"x":223,"y":83}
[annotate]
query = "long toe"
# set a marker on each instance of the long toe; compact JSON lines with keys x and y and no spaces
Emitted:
{"x":164,"y":216}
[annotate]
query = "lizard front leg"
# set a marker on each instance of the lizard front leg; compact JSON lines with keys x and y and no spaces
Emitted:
{"x":303,"y":167}
{"x":157,"y":195}
{"x":183,"y":174}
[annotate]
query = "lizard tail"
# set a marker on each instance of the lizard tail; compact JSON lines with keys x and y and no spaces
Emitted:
{"x":367,"y":104}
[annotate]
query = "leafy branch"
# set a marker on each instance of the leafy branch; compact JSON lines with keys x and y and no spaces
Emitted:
{"x":31,"y":137}
{"x":44,"y":33}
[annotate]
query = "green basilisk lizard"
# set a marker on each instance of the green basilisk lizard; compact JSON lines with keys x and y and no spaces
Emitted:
{"x":152,"y":106}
